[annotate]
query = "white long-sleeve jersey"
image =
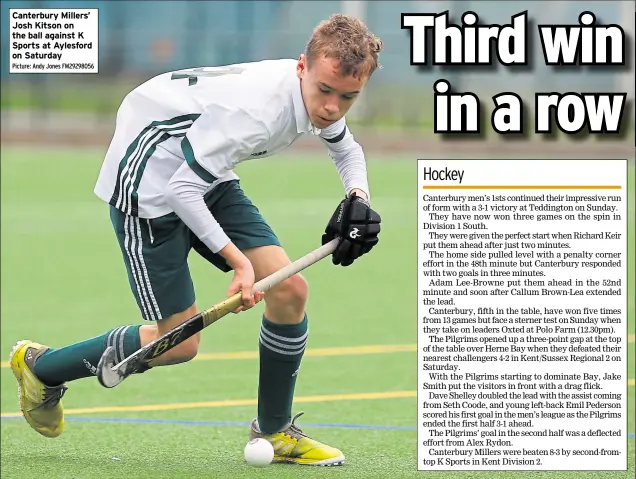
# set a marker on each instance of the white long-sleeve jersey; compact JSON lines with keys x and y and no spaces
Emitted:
{"x":181,"y":133}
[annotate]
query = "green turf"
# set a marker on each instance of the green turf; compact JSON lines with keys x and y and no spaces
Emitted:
{"x":63,"y":281}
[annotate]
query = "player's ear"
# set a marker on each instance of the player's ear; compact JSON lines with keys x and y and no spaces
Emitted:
{"x":301,"y":66}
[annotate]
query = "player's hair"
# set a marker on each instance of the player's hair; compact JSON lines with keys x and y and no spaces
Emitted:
{"x":348,"y":40}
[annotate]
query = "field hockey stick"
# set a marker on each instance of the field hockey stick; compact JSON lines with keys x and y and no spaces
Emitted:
{"x":110,"y":373}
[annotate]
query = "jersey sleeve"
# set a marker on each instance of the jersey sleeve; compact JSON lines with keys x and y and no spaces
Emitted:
{"x":347,"y":156}
{"x":221,"y":138}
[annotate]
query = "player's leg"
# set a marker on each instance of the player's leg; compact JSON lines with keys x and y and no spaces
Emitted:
{"x":155,"y":253}
{"x":284,"y":328}
{"x":283,"y":337}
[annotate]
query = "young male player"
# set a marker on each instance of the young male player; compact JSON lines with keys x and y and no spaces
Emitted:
{"x":168,"y":178}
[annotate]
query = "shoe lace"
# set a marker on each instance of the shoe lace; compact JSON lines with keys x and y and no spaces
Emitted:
{"x":293,"y":430}
{"x":53,"y":395}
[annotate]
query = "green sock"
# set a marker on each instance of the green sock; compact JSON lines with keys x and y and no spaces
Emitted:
{"x":281,"y":348}
{"x":79,"y":360}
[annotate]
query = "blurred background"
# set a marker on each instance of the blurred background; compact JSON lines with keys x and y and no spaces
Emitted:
{"x":139,"y":39}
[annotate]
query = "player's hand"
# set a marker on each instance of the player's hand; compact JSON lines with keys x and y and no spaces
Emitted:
{"x":358,"y":227}
{"x":243,"y":281}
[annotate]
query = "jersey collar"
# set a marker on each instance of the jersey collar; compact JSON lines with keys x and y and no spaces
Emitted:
{"x":303,"y":124}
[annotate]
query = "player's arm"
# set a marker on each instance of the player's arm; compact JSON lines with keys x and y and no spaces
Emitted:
{"x":348,"y":157}
{"x":216,"y":142}
{"x":184,"y":193}
{"x":353,"y":220}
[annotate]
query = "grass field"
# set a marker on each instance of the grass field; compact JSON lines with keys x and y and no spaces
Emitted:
{"x":63,"y":281}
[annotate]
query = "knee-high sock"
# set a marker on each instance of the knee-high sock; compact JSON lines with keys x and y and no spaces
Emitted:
{"x":79,"y":360}
{"x":281,"y":348}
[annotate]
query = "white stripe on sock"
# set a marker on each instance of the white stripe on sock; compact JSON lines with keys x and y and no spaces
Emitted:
{"x":120,"y":346}
{"x":280,"y":351}
{"x":112,"y":340}
{"x":295,"y":348}
{"x":285,"y":338}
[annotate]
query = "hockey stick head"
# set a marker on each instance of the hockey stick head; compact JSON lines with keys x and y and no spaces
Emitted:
{"x":107,"y":374}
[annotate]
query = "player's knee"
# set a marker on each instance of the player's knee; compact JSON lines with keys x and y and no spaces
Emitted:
{"x":181,"y":353}
{"x":291,"y":293}
{"x":185,"y":351}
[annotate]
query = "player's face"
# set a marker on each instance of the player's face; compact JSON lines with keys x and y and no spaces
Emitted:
{"x":326,"y":93}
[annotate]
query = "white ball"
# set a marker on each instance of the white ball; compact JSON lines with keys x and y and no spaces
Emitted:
{"x":259,"y":452}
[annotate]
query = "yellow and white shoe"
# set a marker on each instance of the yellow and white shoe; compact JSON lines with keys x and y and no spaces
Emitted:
{"x":41,"y":405}
{"x":293,"y":446}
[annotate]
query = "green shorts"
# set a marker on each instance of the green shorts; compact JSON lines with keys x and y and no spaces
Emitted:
{"x":156,"y":250}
